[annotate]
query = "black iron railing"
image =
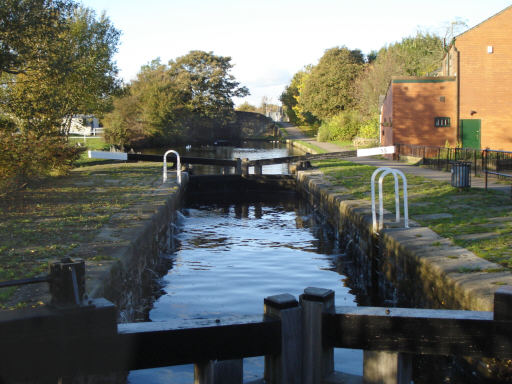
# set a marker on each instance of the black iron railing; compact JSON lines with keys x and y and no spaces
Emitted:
{"x":483,"y":161}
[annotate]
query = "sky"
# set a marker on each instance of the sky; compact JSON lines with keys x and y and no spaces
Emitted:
{"x":270,"y":40}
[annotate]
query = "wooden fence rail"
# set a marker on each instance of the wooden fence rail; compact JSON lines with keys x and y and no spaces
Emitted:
{"x":297,"y":338}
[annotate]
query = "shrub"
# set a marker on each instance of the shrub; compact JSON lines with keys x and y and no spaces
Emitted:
{"x":26,"y":156}
{"x":370,"y":128}
{"x":342,"y":127}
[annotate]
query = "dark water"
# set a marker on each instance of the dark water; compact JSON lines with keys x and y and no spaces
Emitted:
{"x":229,"y":257}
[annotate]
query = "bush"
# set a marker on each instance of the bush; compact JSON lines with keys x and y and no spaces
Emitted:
{"x":342,"y":127}
{"x":370,"y":128}
{"x":27,"y":156}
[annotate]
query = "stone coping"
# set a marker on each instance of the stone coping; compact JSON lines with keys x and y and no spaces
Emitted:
{"x":461,"y":279}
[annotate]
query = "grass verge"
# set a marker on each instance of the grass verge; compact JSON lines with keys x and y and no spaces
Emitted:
{"x":313,"y":147}
{"x":48,"y":220}
{"x":476,"y":220}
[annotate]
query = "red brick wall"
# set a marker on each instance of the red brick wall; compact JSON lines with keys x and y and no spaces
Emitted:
{"x":486,"y":79}
{"x":416,"y":103}
{"x":386,"y":118}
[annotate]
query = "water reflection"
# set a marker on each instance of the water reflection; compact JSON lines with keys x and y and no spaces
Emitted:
{"x":231,"y":256}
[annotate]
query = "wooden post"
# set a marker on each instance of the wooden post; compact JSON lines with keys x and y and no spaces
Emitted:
{"x":238,"y":167}
{"x":318,"y":361}
{"x":386,"y":367}
{"x":67,"y":282}
{"x":503,"y":303}
{"x":258,"y":169}
{"x":219,"y":372}
{"x":245,"y":167}
{"x":285,"y":368}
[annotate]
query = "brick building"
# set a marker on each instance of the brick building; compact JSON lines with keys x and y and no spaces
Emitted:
{"x":470,"y":102}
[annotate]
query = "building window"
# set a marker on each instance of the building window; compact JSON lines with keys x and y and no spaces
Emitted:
{"x":442,"y":122}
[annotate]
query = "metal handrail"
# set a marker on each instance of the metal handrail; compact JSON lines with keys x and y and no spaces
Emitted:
{"x":178,"y":166}
{"x":395,"y":173}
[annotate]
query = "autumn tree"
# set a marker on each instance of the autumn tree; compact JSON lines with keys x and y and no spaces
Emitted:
{"x":55,"y":61}
{"x":329,"y":89}
{"x":291,"y":99}
{"x":188,"y":99}
{"x":246,"y":107}
{"x":419,"y":55}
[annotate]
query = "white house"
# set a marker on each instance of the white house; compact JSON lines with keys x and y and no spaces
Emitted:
{"x":85,"y":125}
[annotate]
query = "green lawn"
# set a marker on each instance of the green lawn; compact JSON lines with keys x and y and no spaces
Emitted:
{"x":96,"y":143}
{"x":488,"y":214}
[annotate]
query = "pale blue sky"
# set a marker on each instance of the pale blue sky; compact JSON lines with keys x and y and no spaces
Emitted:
{"x":270,"y":40}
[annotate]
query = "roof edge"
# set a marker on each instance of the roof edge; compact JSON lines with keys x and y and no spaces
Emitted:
{"x":482,"y":22}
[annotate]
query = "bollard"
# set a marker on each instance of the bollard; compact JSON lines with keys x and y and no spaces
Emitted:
{"x":67,"y":282}
{"x":285,"y":368}
{"x":318,"y":361}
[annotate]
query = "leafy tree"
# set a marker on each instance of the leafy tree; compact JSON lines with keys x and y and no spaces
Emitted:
{"x":206,"y":80}
{"x":329,"y":89}
{"x":291,"y":97}
{"x":246,"y":107}
{"x":29,"y":31}
{"x":413,"y":56}
{"x":189,"y":99}
{"x":55,"y":61}
{"x":76,"y":75}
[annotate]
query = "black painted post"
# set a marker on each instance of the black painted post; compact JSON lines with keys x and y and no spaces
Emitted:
{"x":219,"y":372}
{"x":67,"y":282}
{"x":285,"y":368}
{"x":318,"y":360}
{"x":486,"y":152}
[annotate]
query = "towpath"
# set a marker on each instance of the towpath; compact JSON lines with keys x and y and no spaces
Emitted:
{"x":295,"y":133}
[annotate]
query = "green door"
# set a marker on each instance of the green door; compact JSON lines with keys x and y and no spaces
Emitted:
{"x":470,"y":133}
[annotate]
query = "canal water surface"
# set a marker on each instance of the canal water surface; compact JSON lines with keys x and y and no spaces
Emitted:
{"x":228,"y":257}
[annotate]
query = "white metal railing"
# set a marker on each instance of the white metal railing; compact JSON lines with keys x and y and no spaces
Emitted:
{"x":395,"y":172}
{"x":178,"y":166}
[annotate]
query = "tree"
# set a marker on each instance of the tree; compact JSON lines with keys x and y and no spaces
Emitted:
{"x":29,"y":30}
{"x":55,"y":61}
{"x":291,"y":97}
{"x":206,"y":79}
{"x":246,"y":107}
{"x":189,"y":99}
{"x":329,"y":89}
{"x":413,"y":56}
{"x":74,"y":75}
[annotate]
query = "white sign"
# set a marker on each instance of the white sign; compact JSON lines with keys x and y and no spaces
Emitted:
{"x":376,"y":151}
{"x":108,"y":155}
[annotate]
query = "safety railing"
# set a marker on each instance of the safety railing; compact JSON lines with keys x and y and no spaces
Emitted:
{"x":178,"y":166}
{"x":395,"y":172}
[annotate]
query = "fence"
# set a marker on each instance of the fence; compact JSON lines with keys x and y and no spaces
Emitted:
{"x":486,"y":161}
{"x":296,"y":337}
